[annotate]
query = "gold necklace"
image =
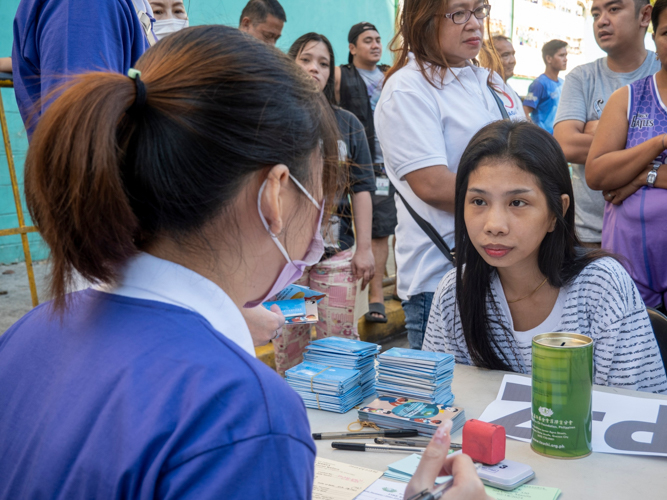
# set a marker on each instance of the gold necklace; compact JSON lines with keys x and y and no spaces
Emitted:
{"x":531,"y":293}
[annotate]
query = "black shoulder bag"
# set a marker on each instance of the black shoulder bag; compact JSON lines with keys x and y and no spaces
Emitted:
{"x":426,"y":226}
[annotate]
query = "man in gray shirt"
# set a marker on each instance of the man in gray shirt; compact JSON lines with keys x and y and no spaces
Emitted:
{"x":619,"y":27}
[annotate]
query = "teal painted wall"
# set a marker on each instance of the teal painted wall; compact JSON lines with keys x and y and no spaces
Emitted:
{"x":333,"y":18}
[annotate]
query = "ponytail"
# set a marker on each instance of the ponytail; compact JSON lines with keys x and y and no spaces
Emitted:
{"x":108,"y":170}
{"x":74,"y":188}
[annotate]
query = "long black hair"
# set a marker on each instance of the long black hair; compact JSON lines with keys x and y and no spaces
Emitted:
{"x":561,"y":257}
{"x":298,"y":46}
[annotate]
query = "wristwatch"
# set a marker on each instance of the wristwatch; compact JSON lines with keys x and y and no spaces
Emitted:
{"x":652,"y":175}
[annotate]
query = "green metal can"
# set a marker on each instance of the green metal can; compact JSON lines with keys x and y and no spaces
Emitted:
{"x":562,"y":395}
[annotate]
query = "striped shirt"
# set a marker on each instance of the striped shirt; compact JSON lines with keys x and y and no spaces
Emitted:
{"x":602,"y":302}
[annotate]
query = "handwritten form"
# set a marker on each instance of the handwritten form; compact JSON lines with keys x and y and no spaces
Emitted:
{"x":339,"y":481}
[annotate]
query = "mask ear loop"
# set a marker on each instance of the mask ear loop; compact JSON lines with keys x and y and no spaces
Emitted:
{"x":266,"y":225}
{"x":310,"y":196}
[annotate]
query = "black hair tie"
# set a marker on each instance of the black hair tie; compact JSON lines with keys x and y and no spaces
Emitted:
{"x":142,"y":96}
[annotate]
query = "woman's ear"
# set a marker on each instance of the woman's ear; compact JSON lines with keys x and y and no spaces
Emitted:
{"x":271,"y":202}
{"x":565,"y":200}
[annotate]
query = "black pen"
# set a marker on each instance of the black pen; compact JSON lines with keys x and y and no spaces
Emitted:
{"x":376,"y":447}
{"x":395,"y":433}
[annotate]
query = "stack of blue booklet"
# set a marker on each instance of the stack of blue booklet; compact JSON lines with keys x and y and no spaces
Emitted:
{"x":325,"y":387}
{"x":347,"y":353}
{"x":420,"y":375}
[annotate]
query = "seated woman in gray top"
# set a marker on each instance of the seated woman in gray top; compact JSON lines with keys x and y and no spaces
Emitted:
{"x":521,"y":270}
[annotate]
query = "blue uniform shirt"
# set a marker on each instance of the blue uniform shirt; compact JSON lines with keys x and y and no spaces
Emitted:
{"x":131,"y":398}
{"x":543,"y":96}
{"x":57,"y":38}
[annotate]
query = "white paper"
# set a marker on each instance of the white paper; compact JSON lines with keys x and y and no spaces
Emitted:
{"x":339,"y":481}
{"x":624,"y":425}
{"x":383,"y":489}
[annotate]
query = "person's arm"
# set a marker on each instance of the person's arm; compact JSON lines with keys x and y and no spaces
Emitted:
{"x":86,"y":36}
{"x":434,"y":336}
{"x":610,"y":165}
{"x":337,"y":83}
{"x":573,"y":140}
{"x":626,"y":352}
{"x":571,"y":118}
{"x":434,"y":185}
{"x":416,"y":151}
{"x":5,"y":64}
{"x":618,"y":196}
{"x":362,"y":179}
{"x":435,"y":462}
{"x":533,"y":98}
{"x":363,"y":262}
{"x":527,"y":111}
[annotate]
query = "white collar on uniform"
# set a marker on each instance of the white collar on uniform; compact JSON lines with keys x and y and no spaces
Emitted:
{"x":143,"y":6}
{"x":150,"y":278}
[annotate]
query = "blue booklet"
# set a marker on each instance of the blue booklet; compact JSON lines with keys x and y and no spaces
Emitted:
{"x":402,"y":356}
{"x":420,"y":375}
{"x":298,"y":304}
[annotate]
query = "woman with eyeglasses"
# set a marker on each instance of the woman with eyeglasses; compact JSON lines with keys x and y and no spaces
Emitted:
{"x":436,"y":97}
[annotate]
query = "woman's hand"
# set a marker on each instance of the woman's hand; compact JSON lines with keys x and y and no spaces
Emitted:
{"x":434,"y":462}
{"x":617,"y":196}
{"x":264,"y":325}
{"x":363,"y":266}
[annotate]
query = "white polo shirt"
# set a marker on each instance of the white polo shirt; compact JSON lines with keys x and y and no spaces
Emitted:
{"x":421,"y":126}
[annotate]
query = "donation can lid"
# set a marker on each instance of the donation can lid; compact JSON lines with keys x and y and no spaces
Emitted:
{"x":562,"y":339}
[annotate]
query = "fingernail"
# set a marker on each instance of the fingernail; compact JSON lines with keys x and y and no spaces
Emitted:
{"x":442,"y":431}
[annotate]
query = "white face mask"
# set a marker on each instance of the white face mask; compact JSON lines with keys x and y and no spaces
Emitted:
{"x":164,"y":27}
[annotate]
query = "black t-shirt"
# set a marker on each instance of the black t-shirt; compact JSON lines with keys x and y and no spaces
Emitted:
{"x":354,"y":145}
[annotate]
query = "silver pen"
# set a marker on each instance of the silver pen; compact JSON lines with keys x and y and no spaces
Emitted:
{"x":411,"y":442}
{"x":376,"y":447}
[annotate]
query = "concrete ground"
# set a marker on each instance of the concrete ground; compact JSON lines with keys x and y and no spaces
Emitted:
{"x":15,"y":298}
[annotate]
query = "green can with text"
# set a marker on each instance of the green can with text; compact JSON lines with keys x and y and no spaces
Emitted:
{"x":562,"y":395}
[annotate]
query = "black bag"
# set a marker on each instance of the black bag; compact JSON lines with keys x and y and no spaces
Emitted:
{"x":426,"y":226}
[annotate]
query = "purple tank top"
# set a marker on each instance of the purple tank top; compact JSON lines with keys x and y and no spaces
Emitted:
{"x":637,"y":228}
{"x":647,"y":115}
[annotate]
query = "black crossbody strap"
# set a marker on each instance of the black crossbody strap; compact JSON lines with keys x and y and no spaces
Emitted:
{"x":500,"y":104}
{"x":430,"y":231}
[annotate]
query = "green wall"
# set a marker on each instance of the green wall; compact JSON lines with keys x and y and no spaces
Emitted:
{"x":332,"y":18}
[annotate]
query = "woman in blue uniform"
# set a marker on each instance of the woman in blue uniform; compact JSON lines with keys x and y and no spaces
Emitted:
{"x":185,"y":192}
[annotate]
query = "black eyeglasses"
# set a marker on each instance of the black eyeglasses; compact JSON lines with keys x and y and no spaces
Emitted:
{"x":462,"y":16}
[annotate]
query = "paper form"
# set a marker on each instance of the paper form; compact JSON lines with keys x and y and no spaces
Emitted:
{"x":339,"y":481}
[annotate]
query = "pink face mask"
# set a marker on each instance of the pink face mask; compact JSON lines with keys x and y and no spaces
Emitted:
{"x":294,"y":269}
